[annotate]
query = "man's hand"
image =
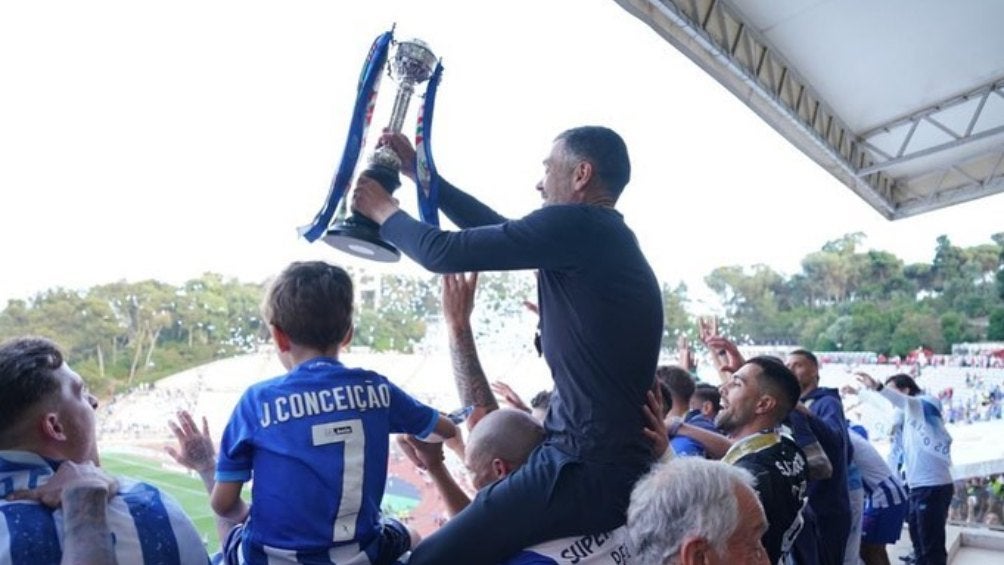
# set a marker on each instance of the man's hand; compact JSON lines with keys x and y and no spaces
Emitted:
{"x":848,"y":390}
{"x":197,"y":451}
{"x":69,"y":477}
{"x":867,"y":380}
{"x":707,"y":328}
{"x":723,"y":348}
{"x":685,"y":356}
{"x":399,"y":143}
{"x":655,"y":428}
{"x":458,"y":298}
{"x":509,"y":396}
{"x":424,"y":455}
{"x":371,"y":200}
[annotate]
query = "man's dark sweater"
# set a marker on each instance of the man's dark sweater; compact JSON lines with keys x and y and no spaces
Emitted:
{"x":829,"y":498}
{"x":600,"y":310}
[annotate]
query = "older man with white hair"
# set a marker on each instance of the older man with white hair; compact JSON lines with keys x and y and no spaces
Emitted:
{"x":691,"y":511}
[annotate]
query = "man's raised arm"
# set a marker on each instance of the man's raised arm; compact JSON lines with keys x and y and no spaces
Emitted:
{"x":472,"y":385}
{"x":461,"y":208}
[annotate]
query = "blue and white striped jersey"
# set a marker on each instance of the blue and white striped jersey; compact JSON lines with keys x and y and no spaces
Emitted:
{"x":882,"y":485}
{"x":147,"y":525}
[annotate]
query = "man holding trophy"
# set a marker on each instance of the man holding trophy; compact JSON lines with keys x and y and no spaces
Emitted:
{"x":601,"y":326}
{"x":600,"y":309}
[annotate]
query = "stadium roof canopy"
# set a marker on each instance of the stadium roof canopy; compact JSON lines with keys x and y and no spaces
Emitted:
{"x":901,"y":100}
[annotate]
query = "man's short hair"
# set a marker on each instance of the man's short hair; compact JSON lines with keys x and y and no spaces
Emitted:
{"x":684,"y":497}
{"x":709,"y":393}
{"x":677,"y":379}
{"x":311,"y":302}
{"x":605,"y":150}
{"x":778,"y":381}
{"x":27,"y":376}
{"x":807,"y":354}
{"x":904,"y":381}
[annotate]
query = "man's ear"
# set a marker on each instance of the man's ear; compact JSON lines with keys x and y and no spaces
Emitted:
{"x":582,"y":175}
{"x":765,"y":404}
{"x":500,"y":468}
{"x":279,"y":337}
{"x":695,"y":551}
{"x":52,"y":428}
{"x":708,"y":408}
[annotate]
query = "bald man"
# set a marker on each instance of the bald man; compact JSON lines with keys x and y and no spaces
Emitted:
{"x":499,"y":444}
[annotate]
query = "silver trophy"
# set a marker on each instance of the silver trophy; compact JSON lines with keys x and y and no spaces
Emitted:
{"x":412,"y":64}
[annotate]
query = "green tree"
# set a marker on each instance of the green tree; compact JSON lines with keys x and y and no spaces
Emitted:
{"x":917,"y":329}
{"x":995,"y":329}
{"x":676,"y":320}
{"x":955,"y":329}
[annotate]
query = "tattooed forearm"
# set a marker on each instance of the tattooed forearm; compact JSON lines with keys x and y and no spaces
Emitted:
{"x":472,"y":385}
{"x":87,"y":538}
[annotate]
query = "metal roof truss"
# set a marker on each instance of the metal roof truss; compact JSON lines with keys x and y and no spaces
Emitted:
{"x":943,"y":154}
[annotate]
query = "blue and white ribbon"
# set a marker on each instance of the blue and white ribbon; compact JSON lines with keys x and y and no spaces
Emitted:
{"x":362,"y":115}
{"x":425,"y":166}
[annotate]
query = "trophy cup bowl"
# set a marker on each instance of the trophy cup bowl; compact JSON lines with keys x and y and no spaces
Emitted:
{"x":412,"y":64}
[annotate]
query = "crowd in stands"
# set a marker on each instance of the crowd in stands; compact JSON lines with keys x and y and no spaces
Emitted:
{"x":145,"y":412}
{"x":979,"y":500}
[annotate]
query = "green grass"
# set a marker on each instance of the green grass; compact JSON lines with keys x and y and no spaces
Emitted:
{"x":187,"y":490}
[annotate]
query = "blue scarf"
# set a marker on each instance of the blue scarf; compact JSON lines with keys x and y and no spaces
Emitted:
{"x":362,"y":114}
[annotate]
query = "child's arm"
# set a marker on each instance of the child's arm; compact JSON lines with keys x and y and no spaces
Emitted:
{"x":429,"y":457}
{"x":226,"y":501}
{"x":444,"y":430}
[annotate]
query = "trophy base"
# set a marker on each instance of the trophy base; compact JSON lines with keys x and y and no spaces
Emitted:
{"x":362,"y":241}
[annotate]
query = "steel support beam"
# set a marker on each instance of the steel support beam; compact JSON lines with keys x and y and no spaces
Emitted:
{"x":910,"y":150}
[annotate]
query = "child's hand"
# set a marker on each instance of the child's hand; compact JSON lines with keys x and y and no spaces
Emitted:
{"x":424,"y":455}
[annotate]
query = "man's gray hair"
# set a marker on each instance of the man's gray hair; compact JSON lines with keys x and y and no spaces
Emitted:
{"x":684,"y":497}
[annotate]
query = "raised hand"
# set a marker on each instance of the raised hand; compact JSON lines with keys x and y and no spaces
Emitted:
{"x":707,"y":328}
{"x":509,"y":396}
{"x":684,"y":354}
{"x":458,"y":297}
{"x":196,"y":450}
{"x":727,"y":352}
{"x":867,"y":380}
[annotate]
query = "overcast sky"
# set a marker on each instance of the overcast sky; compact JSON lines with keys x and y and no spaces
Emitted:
{"x":162,"y":140}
